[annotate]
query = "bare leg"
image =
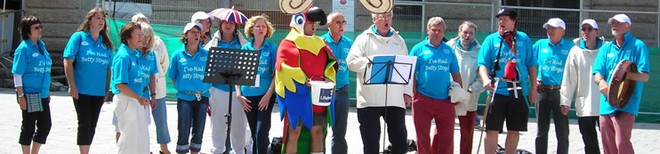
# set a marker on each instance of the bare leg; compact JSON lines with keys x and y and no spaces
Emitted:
{"x":193,"y":152}
{"x":292,"y":139}
{"x":511,"y":144}
{"x":35,"y":147}
{"x":26,"y":149}
{"x":84,"y":149}
{"x":491,"y":141}
{"x":317,"y":139}
{"x":163,"y":148}
{"x":117,"y":137}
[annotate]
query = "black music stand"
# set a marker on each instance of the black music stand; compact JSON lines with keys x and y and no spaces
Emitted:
{"x":383,"y":69}
{"x":231,"y":67}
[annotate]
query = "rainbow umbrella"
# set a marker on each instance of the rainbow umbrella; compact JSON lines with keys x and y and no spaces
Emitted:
{"x":229,"y":15}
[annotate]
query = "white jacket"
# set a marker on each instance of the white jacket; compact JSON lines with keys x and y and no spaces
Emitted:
{"x":467,"y":61}
{"x":578,"y":81}
{"x":369,"y":44}
{"x":163,"y":62}
{"x":218,"y":36}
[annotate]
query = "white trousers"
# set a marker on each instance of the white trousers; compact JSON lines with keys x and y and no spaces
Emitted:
{"x":218,"y":102}
{"x":132,"y":124}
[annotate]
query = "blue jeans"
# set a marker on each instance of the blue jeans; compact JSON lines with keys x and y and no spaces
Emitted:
{"x":342,"y":104}
{"x":259,"y":122}
{"x":160,"y":119}
{"x":191,"y":112}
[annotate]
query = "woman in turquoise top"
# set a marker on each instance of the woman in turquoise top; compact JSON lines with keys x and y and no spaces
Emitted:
{"x":257,"y":100}
{"x":187,"y":72}
{"x":31,"y":69}
{"x":127,"y":85}
{"x":90,"y":49}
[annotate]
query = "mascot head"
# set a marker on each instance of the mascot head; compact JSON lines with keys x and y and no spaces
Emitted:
{"x":310,"y":15}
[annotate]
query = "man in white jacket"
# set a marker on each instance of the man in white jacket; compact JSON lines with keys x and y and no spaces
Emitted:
{"x":576,"y":82}
{"x":379,"y":38}
{"x":466,"y":49}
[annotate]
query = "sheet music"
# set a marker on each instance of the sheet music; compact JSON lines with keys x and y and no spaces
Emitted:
{"x":402,"y":65}
{"x":401,"y":72}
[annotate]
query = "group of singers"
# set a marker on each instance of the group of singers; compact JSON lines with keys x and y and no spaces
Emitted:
{"x":449,"y":77}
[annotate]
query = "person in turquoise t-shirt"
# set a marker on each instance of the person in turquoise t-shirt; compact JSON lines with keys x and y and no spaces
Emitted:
{"x":187,"y":72}
{"x":128,"y":86}
{"x":90,"y":49}
{"x":616,"y":123}
{"x":505,"y":62}
{"x":436,"y":67}
{"x":340,"y":45}
{"x":552,"y":53}
{"x":31,"y":71}
{"x":257,"y":101}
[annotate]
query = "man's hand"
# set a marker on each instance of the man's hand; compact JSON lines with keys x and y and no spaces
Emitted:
{"x":487,"y":84}
{"x":407,"y":99}
{"x":533,"y":96}
{"x":565,"y":109}
{"x":603,"y":87}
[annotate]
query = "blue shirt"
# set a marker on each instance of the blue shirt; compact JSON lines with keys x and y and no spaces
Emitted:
{"x":126,"y":70}
{"x":234,"y":44}
{"x":33,"y":63}
{"x":340,"y":50}
{"x":389,"y":32}
{"x":609,"y":56}
{"x":188,"y":72}
{"x":433,"y":69}
{"x":89,"y":56}
{"x":526,"y":58}
{"x":551,"y":60}
{"x":266,"y":68}
{"x":148,"y":65}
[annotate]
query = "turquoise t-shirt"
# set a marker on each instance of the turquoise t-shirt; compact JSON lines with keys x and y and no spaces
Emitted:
{"x":526,"y":58}
{"x":609,"y":56}
{"x":340,"y":50}
{"x":33,"y":63}
{"x":266,"y":68}
{"x":126,"y":70}
{"x":551,"y":60}
{"x":188,"y":71}
{"x":89,"y":56}
{"x":234,"y":44}
{"x":433,"y":69}
{"x":148,"y":65}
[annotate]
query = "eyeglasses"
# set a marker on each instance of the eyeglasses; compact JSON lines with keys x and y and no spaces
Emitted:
{"x":587,"y":29}
{"x":343,"y":22}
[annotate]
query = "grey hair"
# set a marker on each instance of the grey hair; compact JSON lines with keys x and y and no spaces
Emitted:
{"x":333,"y":15}
{"x":373,"y":15}
{"x":435,"y":21}
{"x":139,"y":17}
{"x":469,"y":24}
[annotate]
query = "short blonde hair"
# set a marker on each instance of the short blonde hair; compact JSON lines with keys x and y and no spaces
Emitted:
{"x":147,"y":32}
{"x":139,"y":17}
{"x":374,"y":15}
{"x":253,"y":20}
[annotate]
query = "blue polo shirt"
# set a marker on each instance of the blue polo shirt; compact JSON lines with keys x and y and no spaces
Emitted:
{"x":149,"y":66}
{"x":609,"y":56}
{"x":234,"y":44}
{"x":126,"y":70}
{"x":188,"y":71}
{"x":340,"y":50}
{"x":525,"y":58}
{"x":433,"y":69}
{"x":33,"y":63}
{"x":551,"y":60}
{"x":266,"y":68}
{"x":89,"y":56}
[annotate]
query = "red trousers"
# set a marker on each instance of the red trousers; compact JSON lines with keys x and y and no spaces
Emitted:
{"x":467,"y":131}
{"x":615,"y":130}
{"x":425,"y":109}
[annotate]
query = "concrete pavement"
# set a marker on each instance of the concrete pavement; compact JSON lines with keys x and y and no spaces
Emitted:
{"x":62,"y":138}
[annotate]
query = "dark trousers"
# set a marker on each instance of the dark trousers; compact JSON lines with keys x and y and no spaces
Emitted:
{"x":342,"y":103}
{"x":259,"y":122}
{"x":549,"y":105}
{"x":394,"y":117}
{"x":88,"y":109}
{"x":42,"y":121}
{"x":589,"y":135}
{"x":192,"y":116}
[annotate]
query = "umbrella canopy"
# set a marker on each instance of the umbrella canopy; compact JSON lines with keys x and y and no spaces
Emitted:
{"x":229,"y":15}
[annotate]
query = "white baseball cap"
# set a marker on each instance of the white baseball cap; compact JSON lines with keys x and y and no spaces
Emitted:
{"x":199,"y":16}
{"x":620,"y":18}
{"x":191,"y":25}
{"x":590,"y":22}
{"x":555,"y":22}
